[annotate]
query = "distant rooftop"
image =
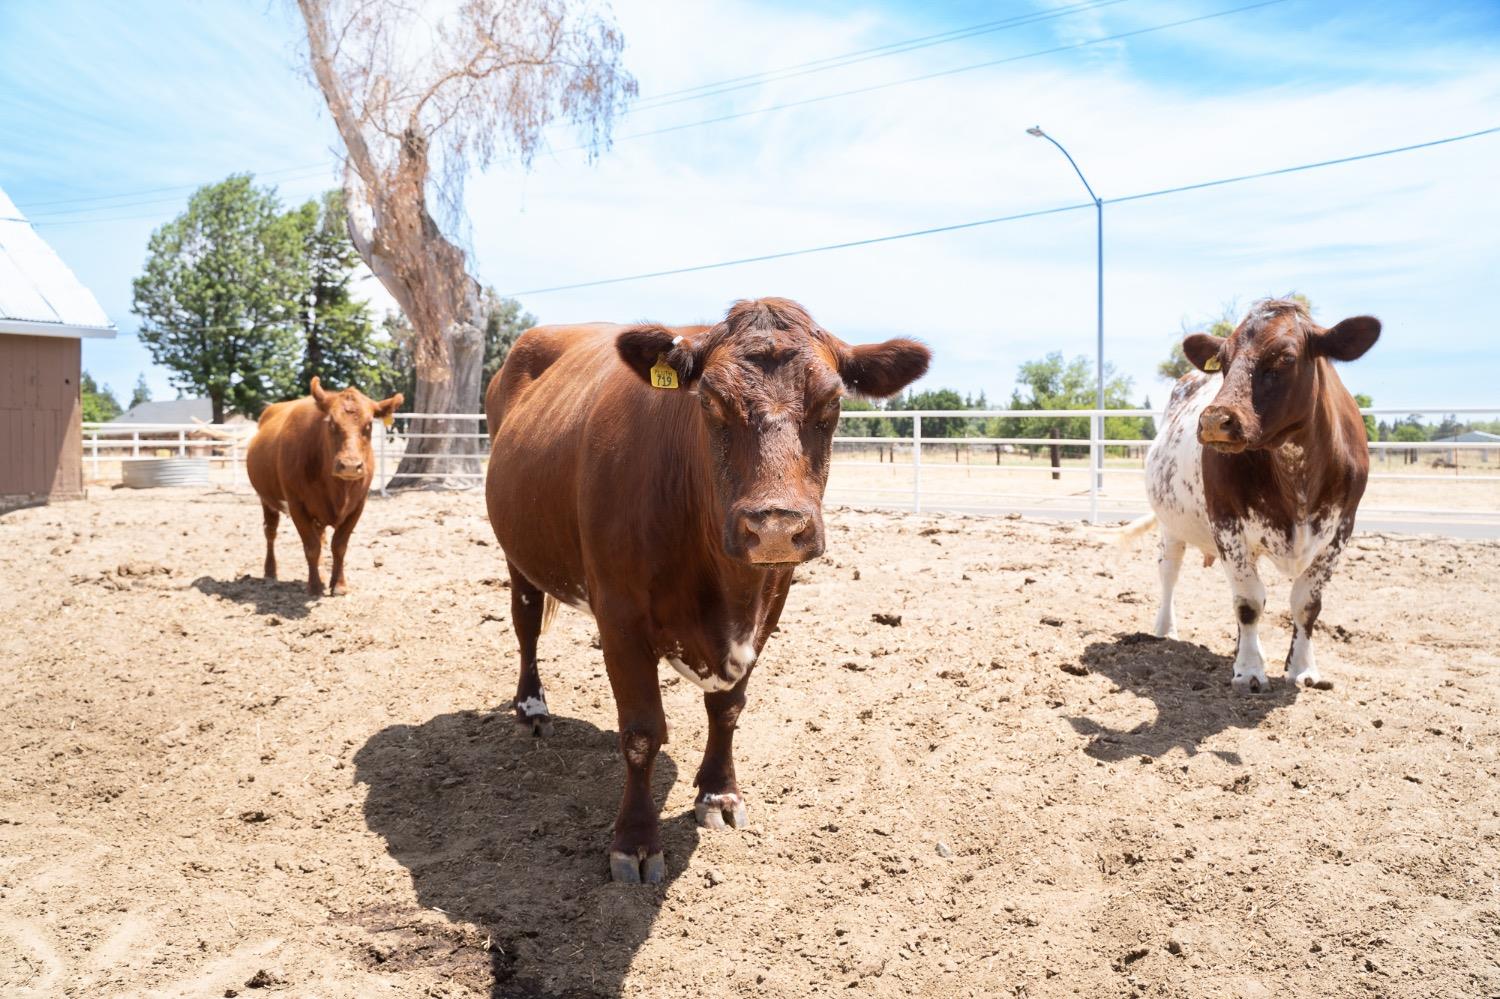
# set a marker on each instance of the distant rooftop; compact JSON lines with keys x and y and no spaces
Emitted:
{"x":167,"y":411}
{"x":39,"y":295}
{"x":1469,"y":437}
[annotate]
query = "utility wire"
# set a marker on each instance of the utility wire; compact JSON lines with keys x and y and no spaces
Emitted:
{"x":853,"y":58}
{"x":1004,"y":218}
{"x":730,"y":117}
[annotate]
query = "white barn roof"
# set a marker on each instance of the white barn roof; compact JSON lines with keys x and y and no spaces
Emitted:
{"x":39,"y":295}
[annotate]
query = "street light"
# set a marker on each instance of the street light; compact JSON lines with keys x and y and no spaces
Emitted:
{"x":1096,"y":450}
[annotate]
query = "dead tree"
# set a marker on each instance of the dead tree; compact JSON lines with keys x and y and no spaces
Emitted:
{"x":419,"y":98}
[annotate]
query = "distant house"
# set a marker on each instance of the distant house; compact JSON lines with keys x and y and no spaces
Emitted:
{"x":1472,"y":437}
{"x":165,"y":411}
{"x":44,"y":315}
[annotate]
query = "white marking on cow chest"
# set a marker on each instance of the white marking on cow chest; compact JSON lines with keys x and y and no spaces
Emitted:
{"x":1290,"y":554}
{"x":741,"y":658}
{"x":705,"y":681}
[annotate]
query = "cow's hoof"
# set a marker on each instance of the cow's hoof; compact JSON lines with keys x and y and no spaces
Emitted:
{"x":315,"y":589}
{"x":717,"y":811}
{"x":536,"y":726}
{"x":628,"y":869}
{"x":339,"y":590}
{"x":1249,"y":683}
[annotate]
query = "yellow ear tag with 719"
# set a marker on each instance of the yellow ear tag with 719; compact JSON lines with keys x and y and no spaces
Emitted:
{"x":663,"y":375}
{"x":1212,"y":364}
{"x":389,"y":421}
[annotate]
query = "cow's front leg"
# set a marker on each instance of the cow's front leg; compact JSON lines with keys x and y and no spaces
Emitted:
{"x":340,"y":545}
{"x":635,"y":851}
{"x":311,"y":534}
{"x":1249,"y":605}
{"x":1307,"y":603}
{"x":718,"y":791}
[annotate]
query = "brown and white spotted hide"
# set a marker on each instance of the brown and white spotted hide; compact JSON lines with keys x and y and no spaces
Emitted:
{"x":1263,"y":455}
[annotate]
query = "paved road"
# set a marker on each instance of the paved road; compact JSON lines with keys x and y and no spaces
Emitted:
{"x":1477,"y":527}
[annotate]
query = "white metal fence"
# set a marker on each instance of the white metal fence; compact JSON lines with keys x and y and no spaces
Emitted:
{"x":906,"y":471}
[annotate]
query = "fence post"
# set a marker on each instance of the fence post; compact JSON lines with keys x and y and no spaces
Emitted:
{"x":916,"y":464}
{"x":94,"y":441}
{"x":380,"y":456}
{"x":234,"y":461}
{"x":182,"y":443}
{"x":1096,"y":461}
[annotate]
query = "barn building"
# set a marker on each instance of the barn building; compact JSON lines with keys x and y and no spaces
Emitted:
{"x":45,"y":314}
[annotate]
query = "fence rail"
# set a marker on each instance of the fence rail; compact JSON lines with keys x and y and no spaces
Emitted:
{"x":921,"y":480}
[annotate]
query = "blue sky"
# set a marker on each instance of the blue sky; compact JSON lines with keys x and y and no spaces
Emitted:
{"x":112,"y":113}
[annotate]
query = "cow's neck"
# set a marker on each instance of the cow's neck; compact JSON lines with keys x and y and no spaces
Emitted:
{"x":1305,"y":466}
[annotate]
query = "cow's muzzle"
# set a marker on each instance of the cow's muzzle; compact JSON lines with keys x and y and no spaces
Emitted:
{"x":1221,"y":429}
{"x":345,"y":468}
{"x":778,"y":536}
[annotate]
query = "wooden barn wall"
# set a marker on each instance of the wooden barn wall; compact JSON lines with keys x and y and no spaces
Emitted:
{"x":41,"y":438}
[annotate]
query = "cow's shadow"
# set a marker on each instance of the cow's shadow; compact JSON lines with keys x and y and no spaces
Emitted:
{"x":1191,"y":690}
{"x":282,"y":597}
{"x":506,"y":836}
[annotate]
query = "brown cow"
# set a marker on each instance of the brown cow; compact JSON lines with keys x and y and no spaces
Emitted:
{"x":671,"y":496}
{"x":1269,"y":462}
{"x":311,"y":458}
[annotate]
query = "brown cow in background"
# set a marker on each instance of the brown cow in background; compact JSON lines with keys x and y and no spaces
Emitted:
{"x":670,"y":496}
{"x":310,"y":458}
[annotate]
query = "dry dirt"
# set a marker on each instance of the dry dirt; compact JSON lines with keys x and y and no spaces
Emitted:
{"x":213,"y":785}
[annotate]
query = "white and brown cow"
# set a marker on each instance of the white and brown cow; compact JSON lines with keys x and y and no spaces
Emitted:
{"x":1263,"y":455}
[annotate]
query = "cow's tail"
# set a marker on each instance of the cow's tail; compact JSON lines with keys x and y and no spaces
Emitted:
{"x":549,"y":611}
{"x":1129,"y":535}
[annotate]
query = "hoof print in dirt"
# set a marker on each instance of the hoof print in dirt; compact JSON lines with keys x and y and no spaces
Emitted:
{"x":627,"y":869}
{"x":889,"y":620}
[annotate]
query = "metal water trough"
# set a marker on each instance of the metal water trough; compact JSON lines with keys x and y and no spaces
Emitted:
{"x":149,"y":473}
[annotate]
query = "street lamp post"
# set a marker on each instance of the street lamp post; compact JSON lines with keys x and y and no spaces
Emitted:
{"x":1096,"y":450}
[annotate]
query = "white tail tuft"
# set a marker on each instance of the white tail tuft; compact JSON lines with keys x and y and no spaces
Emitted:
{"x":549,"y":611}
{"x":1127,"y":536}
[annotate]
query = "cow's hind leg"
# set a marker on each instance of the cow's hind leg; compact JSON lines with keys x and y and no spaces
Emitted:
{"x":1307,"y":603}
{"x":635,"y":849}
{"x":526,"y":604}
{"x":718,"y":791}
{"x":272,"y":518}
{"x":1249,"y":606}
{"x":1168,"y":565}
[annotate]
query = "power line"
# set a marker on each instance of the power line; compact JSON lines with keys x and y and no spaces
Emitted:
{"x":825,"y":64}
{"x":745,"y":114}
{"x":308,"y":170}
{"x":936,"y":74}
{"x":1004,"y":218}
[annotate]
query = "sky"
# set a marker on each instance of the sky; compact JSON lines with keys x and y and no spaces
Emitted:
{"x":112,"y":114}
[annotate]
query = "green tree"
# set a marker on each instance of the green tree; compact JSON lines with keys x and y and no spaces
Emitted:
{"x":142,"y":391}
{"x":1052,"y":383}
{"x":218,"y":295}
{"x":1365,"y":402}
{"x":339,"y":344}
{"x":1176,"y":365}
{"x":99,"y":404}
{"x":504,"y":323}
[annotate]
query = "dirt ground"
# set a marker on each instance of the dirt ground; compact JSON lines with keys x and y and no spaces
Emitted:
{"x":214,"y":786}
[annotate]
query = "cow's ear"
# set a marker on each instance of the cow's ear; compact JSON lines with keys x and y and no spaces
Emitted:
{"x":1349,"y":340}
{"x":1204,"y":351}
{"x":880,"y":370}
{"x":643,"y":347}
{"x":386,"y":408}
{"x":320,"y":396}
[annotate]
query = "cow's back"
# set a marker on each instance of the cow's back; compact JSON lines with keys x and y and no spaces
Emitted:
{"x":591,"y":479}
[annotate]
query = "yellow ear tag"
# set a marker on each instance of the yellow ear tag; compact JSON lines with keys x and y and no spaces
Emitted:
{"x":663,"y":375}
{"x":389,"y":421}
{"x":1212,"y":364}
